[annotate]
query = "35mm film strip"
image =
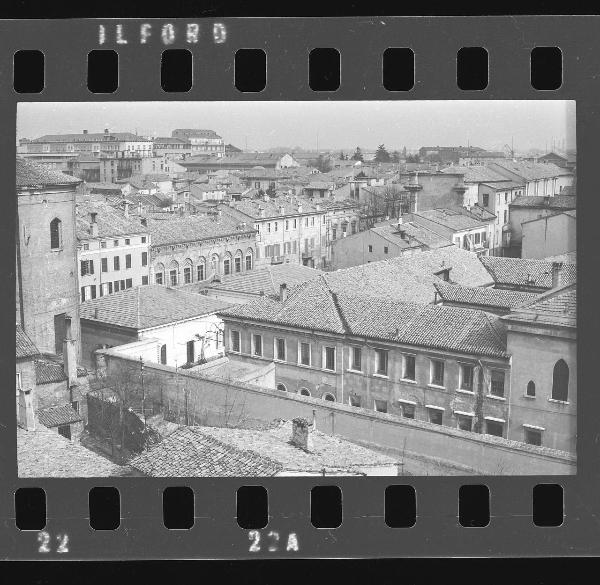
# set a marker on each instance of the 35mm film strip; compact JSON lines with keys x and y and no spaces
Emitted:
{"x":300,"y":287}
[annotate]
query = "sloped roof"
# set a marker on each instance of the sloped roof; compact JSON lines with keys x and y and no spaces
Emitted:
{"x":555,"y":307}
{"x":58,"y":415}
{"x":45,"y":453}
{"x":529,"y":171}
{"x":483,"y":297}
{"x":411,"y":278}
{"x":525,"y":271}
{"x":252,"y":207}
{"x":562,"y":202}
{"x":315,"y":306}
{"x":48,"y":371}
{"x":417,"y":235}
{"x":453,"y":219}
{"x":34,"y":175}
{"x":176,"y":229}
{"x":91,"y":137}
{"x":196,"y":132}
{"x":268,"y":279}
{"x":476,"y":173}
{"x":144,"y":307}
{"x":24,"y":346}
{"x":111,"y":221}
{"x":190,"y":452}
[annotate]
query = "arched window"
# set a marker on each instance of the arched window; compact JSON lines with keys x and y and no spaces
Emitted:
{"x":187,"y":271}
{"x":163,"y":354}
{"x":201,"y":270}
{"x":55,"y":234}
{"x":249,"y":262}
{"x":329,"y":396}
{"x":227,"y":264}
{"x":173,"y":273}
{"x":560,"y":381}
{"x":281,"y":387}
{"x":531,"y":388}
{"x":237,"y":261}
{"x":305,"y":391}
{"x":159,"y":274}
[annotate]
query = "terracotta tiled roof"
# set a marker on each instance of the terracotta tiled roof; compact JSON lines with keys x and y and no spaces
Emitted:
{"x":189,"y":452}
{"x":24,"y":346}
{"x":48,"y":371}
{"x":525,"y":271}
{"x":58,"y":415}
{"x":111,"y":221}
{"x":144,"y":307}
{"x":555,"y":307}
{"x":415,"y":235}
{"x":476,"y":173}
{"x":252,"y":207}
{"x":563,"y":202}
{"x":44,"y":453}
{"x":30,"y":174}
{"x":528,"y":171}
{"x":315,"y":306}
{"x":483,"y":297}
{"x":453,"y":219}
{"x":176,"y":229}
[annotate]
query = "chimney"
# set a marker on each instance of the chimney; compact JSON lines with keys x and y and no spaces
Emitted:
{"x":126,"y":208}
{"x":26,"y":418}
{"x":261,"y":212}
{"x":299,"y":207}
{"x":85,"y":131}
{"x":105,"y":130}
{"x":301,"y":434}
{"x":283,"y":292}
{"x":70,"y":354}
{"x":318,"y":207}
{"x":281,"y":210}
{"x":94,"y":224}
{"x":556,"y":274}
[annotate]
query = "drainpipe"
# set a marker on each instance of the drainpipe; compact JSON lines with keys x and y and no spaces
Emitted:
{"x":508,"y":398}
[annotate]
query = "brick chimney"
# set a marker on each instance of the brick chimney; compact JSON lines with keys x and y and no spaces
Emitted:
{"x":94,"y":224}
{"x":126,"y":208}
{"x":70,"y":354}
{"x":556,"y":274}
{"x":26,"y":418}
{"x":283,"y":292}
{"x":301,"y":434}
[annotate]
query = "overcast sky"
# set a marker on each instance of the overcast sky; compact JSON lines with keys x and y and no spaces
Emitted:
{"x":335,"y":124}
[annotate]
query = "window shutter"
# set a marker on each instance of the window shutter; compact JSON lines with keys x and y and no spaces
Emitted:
{"x":91,"y":267}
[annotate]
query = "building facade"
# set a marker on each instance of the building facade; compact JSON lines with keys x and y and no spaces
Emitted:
{"x":552,"y":235}
{"x":206,"y":142}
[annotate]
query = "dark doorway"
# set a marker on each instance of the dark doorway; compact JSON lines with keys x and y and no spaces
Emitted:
{"x":65,"y":431}
{"x":190,"y":352}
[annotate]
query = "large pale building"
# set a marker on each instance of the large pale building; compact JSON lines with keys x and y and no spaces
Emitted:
{"x":202,"y":141}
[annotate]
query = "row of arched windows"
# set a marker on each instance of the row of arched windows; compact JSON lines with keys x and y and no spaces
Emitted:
{"x":306,"y":392}
{"x":204,"y":269}
{"x":560,"y":382}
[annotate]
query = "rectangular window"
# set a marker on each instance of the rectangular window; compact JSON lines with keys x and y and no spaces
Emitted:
{"x":87,"y":267}
{"x":381,"y":405}
{"x":143,"y":239}
{"x":357,"y":359}
{"x":238,"y":264}
{"x":486,"y":199}
{"x":385,"y":249}
{"x":83,"y":297}
{"x":280,"y":349}
{"x":144,"y":280}
{"x":190,"y":352}
{"x":104,"y":264}
{"x":330,"y":358}
{"x":86,"y":246}
{"x":287,"y":225}
{"x":128,"y":283}
{"x":295,"y":224}
{"x":201,"y":272}
{"x":354,"y":400}
{"x":103,"y":244}
{"x":269,"y":226}
{"x":158,"y":278}
{"x":370,"y":248}
{"x":116,"y":263}
{"x":187,"y":274}
{"x":436,"y":416}
{"x":305,"y":354}
{"x":381,"y":362}
{"x":227,"y":266}
{"x":127,"y":241}
{"x":312,"y":221}
{"x":533,"y":436}
{"x":248,"y":262}
{"x":497,"y":383}
{"x":276,"y":226}
{"x":464,"y":422}
{"x":117,"y":286}
{"x":437,"y":372}
{"x":110,"y":288}
{"x":505,"y":216}
{"x":144,"y":258}
{"x":408,"y":368}
{"x":173,"y":277}
{"x":235,"y":341}
{"x":334,"y":234}
{"x":466,"y":377}
{"x":495,"y":428}
{"x":257,"y":345}
{"x":115,"y":243}
{"x":408,"y":410}
{"x":477,"y":237}
{"x":127,"y":260}
{"x":123,"y":284}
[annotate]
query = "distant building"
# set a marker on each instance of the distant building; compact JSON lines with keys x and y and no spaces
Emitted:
{"x":240,"y":161}
{"x":549,"y":236}
{"x":289,"y":230}
{"x":46,"y":255}
{"x":196,"y":248}
{"x":183,"y":326}
{"x":567,"y":160}
{"x":448,"y":154}
{"x":113,"y":250}
{"x":205,"y":142}
{"x":383,"y":241}
{"x":542,"y":339}
{"x":526,"y":208}
{"x":171,"y":147}
{"x":539,"y":178}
